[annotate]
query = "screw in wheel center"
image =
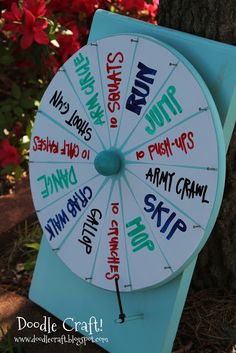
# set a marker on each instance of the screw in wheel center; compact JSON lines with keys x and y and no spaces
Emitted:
{"x":108,"y":163}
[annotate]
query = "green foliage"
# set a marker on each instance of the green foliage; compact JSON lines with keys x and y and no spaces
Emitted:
{"x":27,"y":242}
{"x":7,"y":344}
{"x":30,"y":263}
{"x":32,"y":233}
{"x":34,"y":246}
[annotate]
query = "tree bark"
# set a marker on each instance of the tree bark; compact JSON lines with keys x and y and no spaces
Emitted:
{"x":214,"y":19}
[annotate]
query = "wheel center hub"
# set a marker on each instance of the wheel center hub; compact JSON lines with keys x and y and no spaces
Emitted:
{"x":108,"y":163}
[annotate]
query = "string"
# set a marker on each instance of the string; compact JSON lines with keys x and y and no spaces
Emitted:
{"x":122,"y":314}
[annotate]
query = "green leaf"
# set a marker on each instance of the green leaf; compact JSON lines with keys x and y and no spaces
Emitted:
{"x":8,"y":169}
{"x":6,"y":120}
{"x":29,"y":265}
{"x":29,"y":129}
{"x":15,"y":91}
{"x":24,"y":146}
{"x":34,"y":246}
{"x":27,"y":103}
{"x":18,"y":172}
{"x":6,"y":108}
{"x":9,"y":101}
{"x":52,"y":36}
{"x":18,"y":111}
{"x":52,"y":27}
{"x":6,"y":59}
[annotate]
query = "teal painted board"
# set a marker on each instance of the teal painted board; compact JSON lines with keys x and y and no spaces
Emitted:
{"x":180,"y":293}
{"x":129,"y":188}
{"x":214,"y":61}
{"x":59,"y":291}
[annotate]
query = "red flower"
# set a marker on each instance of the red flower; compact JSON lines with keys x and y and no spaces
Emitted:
{"x":32,"y":30}
{"x":55,"y":6}
{"x":68,"y":44}
{"x":25,"y":64}
{"x":18,"y":129}
{"x":36,"y":7}
{"x":13,"y":17}
{"x":132,"y":4}
{"x":27,"y":22}
{"x":152,"y":9}
{"x":74,"y":6}
{"x":6,"y":4}
{"x":87,"y":6}
{"x":51,"y":63}
{"x":8,"y":154}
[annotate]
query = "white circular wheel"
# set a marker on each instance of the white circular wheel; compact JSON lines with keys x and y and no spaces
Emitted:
{"x":127,"y":163}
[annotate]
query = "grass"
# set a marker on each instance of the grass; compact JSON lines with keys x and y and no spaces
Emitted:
{"x":18,"y":257}
{"x":6,"y":343}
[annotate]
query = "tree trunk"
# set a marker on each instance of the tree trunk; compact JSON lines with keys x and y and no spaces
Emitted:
{"x":214,"y":19}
